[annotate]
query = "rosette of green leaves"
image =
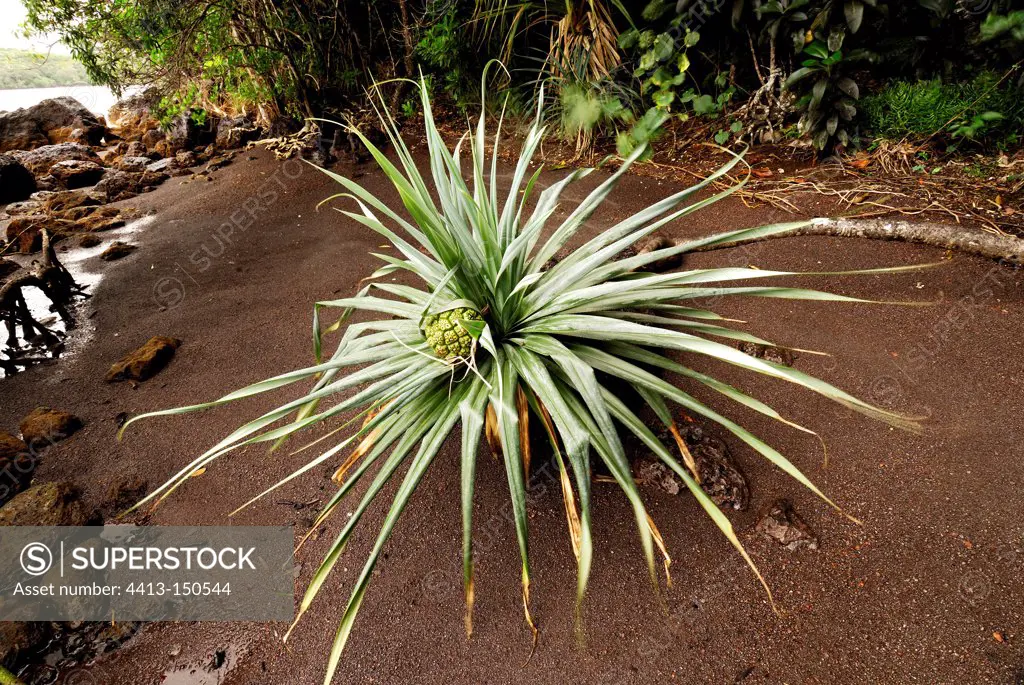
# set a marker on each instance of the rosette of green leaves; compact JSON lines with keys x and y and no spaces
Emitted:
{"x":550,"y":342}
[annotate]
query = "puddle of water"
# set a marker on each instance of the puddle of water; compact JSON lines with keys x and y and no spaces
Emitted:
{"x":73,"y":645}
{"x":73,"y":259}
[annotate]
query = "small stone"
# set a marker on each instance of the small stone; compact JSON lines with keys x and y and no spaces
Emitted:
{"x":64,"y":200}
{"x":100,"y":221}
{"x":89,"y":240}
{"x":22,"y":208}
{"x":40,"y":160}
{"x":121,"y":185}
{"x":151,"y":138}
{"x":136,"y":148}
{"x":720,"y":477}
{"x":785,"y":526}
{"x":160,"y":166}
{"x":185,"y":158}
{"x":48,"y":504}
{"x":651,"y":472}
{"x":79,"y":213}
{"x":117,"y":250}
{"x":146,"y":361}
{"x":769,"y":353}
{"x":45,"y":425}
{"x":125,"y":492}
{"x":163,"y":149}
{"x":218,"y":162}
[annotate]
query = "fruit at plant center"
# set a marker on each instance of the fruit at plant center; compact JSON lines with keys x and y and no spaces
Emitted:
{"x":447,"y":337}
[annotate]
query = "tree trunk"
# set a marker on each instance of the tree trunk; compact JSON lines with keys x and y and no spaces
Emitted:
{"x":408,"y":62}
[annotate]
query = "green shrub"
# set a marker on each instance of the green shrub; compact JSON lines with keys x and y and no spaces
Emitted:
{"x":922,"y":108}
{"x":440,"y":50}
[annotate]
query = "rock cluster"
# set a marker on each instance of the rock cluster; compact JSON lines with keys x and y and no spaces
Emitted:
{"x":63,"y":213}
{"x":59,"y":163}
{"x":40,"y":651}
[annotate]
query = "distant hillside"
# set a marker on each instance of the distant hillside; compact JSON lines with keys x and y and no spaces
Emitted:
{"x":24,"y":69}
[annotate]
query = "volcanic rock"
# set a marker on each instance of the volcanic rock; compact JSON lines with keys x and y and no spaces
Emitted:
{"x":48,"y":504}
{"x":133,"y":163}
{"x":41,"y":159}
{"x":720,"y":477}
{"x":770,"y":353}
{"x":23,"y":208}
{"x":184,"y":133}
{"x":52,"y":121}
{"x":785,"y":526}
{"x":236,"y":132}
{"x":117,"y":250}
{"x":27,"y":232}
{"x":146,"y":361}
{"x":76,"y":173}
{"x":121,"y":185}
{"x":44,"y":425}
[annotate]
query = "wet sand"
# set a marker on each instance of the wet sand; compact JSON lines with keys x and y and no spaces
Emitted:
{"x":912,"y":596}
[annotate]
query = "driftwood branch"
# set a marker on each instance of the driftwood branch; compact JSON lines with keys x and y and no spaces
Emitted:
{"x":1003,"y":248}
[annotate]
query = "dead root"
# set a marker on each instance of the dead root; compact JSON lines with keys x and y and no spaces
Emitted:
{"x":286,"y":147}
{"x":57,"y":284}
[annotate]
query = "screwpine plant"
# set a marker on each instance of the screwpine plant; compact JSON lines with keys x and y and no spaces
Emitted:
{"x":494,"y":338}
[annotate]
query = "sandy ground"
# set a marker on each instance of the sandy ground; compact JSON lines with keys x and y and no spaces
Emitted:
{"x":914,"y":595}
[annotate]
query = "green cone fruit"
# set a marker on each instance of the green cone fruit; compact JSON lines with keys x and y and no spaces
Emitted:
{"x":448,"y":339}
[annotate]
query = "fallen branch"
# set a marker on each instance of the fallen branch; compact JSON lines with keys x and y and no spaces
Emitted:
{"x":1004,"y":248}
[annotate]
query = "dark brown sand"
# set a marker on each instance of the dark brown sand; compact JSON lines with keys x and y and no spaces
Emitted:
{"x":914,"y":595}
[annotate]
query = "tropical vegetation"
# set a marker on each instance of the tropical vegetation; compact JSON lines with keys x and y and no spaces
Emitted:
{"x":516,"y":318}
{"x":755,"y":70}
